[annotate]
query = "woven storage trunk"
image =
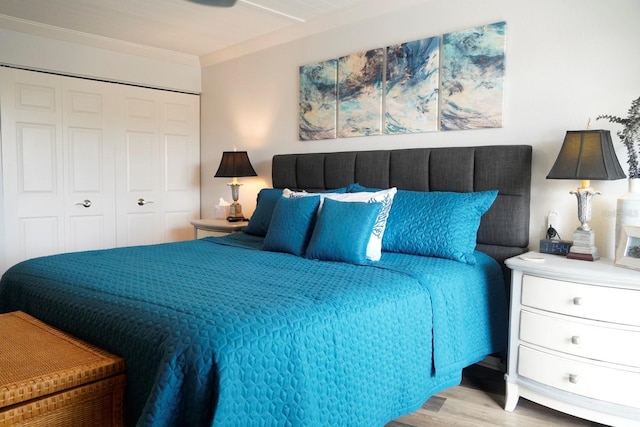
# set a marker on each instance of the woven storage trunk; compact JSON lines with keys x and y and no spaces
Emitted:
{"x":48,"y":378}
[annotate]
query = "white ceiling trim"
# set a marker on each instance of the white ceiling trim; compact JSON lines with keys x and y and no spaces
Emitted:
{"x":299,"y":26}
{"x":77,"y":37}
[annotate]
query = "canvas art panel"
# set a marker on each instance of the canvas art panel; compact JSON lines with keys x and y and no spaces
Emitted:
{"x":473,"y":69}
{"x":360,"y":93}
{"x":317,"y":101}
{"x":411,"y":90}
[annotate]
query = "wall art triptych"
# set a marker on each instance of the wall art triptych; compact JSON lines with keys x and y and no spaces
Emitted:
{"x":419,"y":86}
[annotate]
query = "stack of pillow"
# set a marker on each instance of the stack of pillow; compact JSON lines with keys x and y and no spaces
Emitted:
{"x":355,"y":224}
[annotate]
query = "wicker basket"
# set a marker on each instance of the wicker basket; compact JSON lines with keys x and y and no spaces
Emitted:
{"x":48,"y":378}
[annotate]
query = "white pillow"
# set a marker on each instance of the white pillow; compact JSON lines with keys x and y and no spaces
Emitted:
{"x":374,"y":247}
{"x":290,"y":194}
{"x":297,"y":194}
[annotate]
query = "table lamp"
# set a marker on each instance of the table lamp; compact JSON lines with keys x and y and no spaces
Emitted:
{"x":235,"y":164}
{"x":586,"y":155}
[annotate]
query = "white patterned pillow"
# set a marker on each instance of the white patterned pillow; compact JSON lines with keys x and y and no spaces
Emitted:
{"x":290,"y":194}
{"x":374,"y":247}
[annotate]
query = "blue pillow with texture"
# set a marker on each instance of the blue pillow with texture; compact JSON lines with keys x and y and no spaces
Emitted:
{"x":438,"y":224}
{"x":342,"y":231}
{"x":291,"y":225}
{"x":357,"y":188}
{"x":259,"y":222}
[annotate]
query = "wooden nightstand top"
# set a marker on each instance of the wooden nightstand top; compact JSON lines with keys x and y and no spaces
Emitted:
{"x":221,"y":225}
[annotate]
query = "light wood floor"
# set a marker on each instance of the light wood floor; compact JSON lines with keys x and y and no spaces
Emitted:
{"x":479,"y":402}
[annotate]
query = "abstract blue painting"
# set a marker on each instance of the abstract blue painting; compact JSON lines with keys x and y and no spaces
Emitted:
{"x":473,"y":68}
{"x":360,"y":93}
{"x":317,"y":100}
{"x":411,"y":92}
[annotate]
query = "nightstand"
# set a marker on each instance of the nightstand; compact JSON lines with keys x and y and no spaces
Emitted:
{"x":574,"y":337}
{"x":215,"y":227}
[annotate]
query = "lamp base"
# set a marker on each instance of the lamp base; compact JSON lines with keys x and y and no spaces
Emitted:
{"x":235,"y":212}
{"x":583,"y":247}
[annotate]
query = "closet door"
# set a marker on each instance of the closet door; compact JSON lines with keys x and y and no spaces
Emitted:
{"x":157,"y":175}
{"x":89,"y":172}
{"x":180,"y":156}
{"x":32,"y":154}
{"x":58,"y":173}
{"x":92,"y":165}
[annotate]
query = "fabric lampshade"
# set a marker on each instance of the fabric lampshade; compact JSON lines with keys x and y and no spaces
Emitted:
{"x":587,"y":154}
{"x":235,"y":164}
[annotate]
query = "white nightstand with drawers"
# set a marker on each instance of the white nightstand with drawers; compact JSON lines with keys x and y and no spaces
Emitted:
{"x":574,"y":337}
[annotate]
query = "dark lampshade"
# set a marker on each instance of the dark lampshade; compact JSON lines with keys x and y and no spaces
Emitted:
{"x":587,"y":154}
{"x":235,"y":164}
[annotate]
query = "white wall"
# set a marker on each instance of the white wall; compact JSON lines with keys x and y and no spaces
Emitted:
{"x":567,"y":61}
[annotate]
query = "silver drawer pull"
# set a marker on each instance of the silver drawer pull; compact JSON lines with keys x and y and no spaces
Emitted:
{"x":573,"y":378}
{"x":575,"y":340}
{"x":577,"y":301}
{"x":86,"y":203}
{"x":142,"y":202}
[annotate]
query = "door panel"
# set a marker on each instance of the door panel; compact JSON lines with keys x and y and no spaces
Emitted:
{"x":160,"y":165}
{"x":137,"y":176}
{"x":36,"y":144}
{"x":37,"y":236}
{"x":31,"y":157}
{"x":89,"y":108}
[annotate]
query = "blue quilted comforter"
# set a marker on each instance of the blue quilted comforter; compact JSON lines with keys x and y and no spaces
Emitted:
{"x":215,"y":332}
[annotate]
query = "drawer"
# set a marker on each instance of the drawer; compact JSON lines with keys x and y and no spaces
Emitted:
{"x":587,"y":301}
{"x":585,"y":339}
{"x":582,"y":378}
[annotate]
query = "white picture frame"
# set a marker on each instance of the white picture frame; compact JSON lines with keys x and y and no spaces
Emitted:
{"x":628,"y":250}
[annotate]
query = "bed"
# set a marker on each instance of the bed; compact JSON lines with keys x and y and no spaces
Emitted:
{"x":258,"y":329}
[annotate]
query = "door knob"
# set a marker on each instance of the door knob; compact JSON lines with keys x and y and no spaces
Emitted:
{"x":142,"y":202}
{"x":86,"y":203}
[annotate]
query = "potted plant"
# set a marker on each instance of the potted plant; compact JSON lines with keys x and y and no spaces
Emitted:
{"x":628,"y":208}
{"x":629,"y":135}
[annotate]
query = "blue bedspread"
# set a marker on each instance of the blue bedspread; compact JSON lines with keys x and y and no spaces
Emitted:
{"x":215,"y":331}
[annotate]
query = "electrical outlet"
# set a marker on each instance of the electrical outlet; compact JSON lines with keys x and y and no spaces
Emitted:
{"x":552,"y":219}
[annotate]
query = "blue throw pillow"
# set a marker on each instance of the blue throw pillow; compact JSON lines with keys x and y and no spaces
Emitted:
{"x":342,"y":231}
{"x":259,"y":222}
{"x":357,"y":188}
{"x":438,"y":224}
{"x":291,"y":225}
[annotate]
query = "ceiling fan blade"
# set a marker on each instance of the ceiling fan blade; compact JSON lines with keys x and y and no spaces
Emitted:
{"x":216,"y":3}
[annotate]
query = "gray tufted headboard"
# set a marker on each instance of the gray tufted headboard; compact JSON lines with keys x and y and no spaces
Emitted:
{"x":504,"y":230}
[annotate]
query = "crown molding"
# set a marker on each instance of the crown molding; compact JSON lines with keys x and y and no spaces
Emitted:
{"x":77,"y":37}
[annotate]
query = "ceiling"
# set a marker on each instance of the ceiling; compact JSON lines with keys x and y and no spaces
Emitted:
{"x":179,"y":26}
